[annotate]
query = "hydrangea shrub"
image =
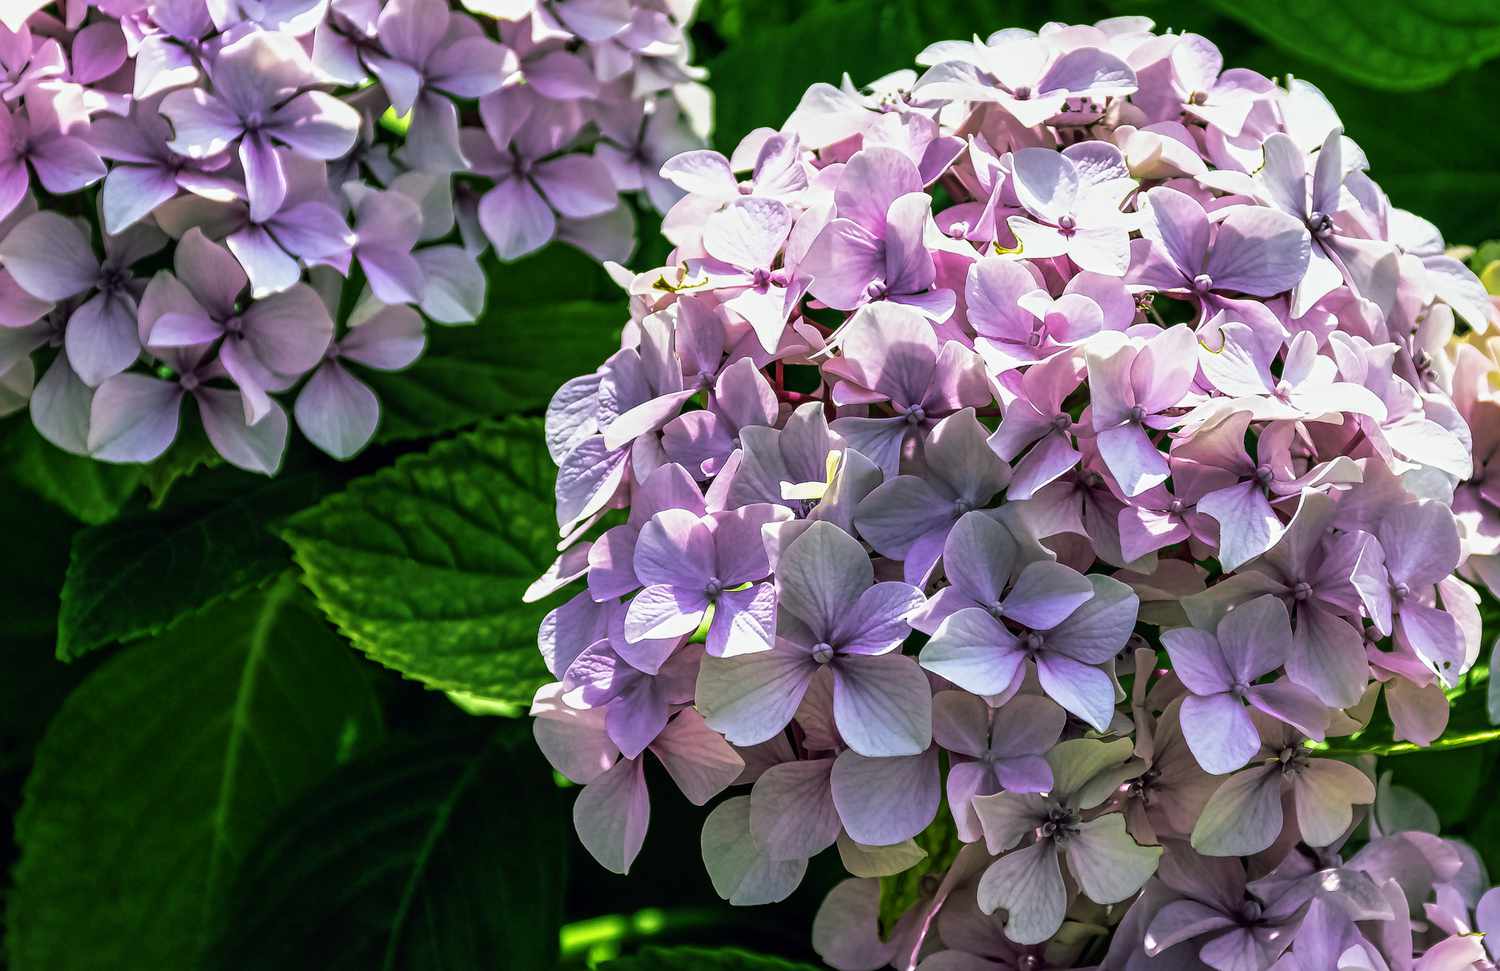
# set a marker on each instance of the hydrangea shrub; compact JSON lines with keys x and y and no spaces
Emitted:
{"x":1024,"y":473}
{"x":245,"y":204}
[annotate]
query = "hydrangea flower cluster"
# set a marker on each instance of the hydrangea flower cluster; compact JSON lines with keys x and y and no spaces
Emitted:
{"x":1054,"y":449}
{"x":199,"y":198}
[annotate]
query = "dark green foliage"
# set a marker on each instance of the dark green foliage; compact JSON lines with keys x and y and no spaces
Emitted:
{"x":141,"y":574}
{"x":89,"y":491}
{"x":161,"y":770}
{"x":449,"y":853}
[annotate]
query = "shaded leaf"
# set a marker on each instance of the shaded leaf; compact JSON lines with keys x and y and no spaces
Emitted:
{"x":1398,"y":45}
{"x":423,"y":564}
{"x":444,"y":854}
{"x":159,"y":773}
{"x":92,"y":492}
{"x":140,"y":574}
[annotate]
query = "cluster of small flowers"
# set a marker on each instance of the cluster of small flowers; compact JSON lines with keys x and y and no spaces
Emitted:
{"x":228,"y":160}
{"x":1059,"y":431}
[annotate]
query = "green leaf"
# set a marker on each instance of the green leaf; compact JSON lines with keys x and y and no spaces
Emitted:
{"x":512,"y":361}
{"x":1398,"y":45}
{"x":159,"y":773}
{"x":701,"y":959}
{"x":92,"y":492}
{"x":34,"y":683}
{"x":423,"y":564}
{"x":141,"y":574}
{"x":445,"y":854}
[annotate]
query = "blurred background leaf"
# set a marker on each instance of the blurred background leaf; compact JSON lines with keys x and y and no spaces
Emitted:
{"x":157,"y":775}
{"x":432,"y":855}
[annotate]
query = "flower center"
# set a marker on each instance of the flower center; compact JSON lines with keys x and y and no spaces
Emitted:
{"x":1137,"y":414}
{"x":822,"y":652}
{"x":1302,"y":590}
{"x":1067,"y":224}
{"x":915,"y":415}
{"x":1203,"y":283}
{"x":876,"y":289}
{"x":1022,"y":93}
{"x":713,"y":588}
{"x":1264,"y":475}
{"x":1061,"y":825}
{"x":1319,"y":223}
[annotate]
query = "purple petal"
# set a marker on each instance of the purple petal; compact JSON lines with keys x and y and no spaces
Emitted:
{"x":697,"y":758}
{"x":388,"y":341}
{"x":255,"y":448}
{"x":1045,"y":594}
{"x":49,"y":257}
{"x":133,"y":418}
{"x":265,"y":175}
{"x":1292,"y":704}
{"x":748,"y":233}
{"x":60,"y":407}
{"x":516,"y":218}
{"x":744,"y":621}
{"x":131,"y":192}
{"x":337,"y":411}
{"x":101,"y":338}
{"x":289,"y":331}
{"x":972,"y":649}
{"x":792,"y":810}
{"x":612,"y":813}
{"x":1219,"y":732}
{"x":1082,"y":689}
{"x":752,"y":697}
{"x":820,"y":573}
{"x":269,"y":268}
{"x":1027,"y":884}
{"x":1096,"y":631}
{"x":65,"y":164}
{"x":885,"y":801}
{"x":577,"y":186}
{"x":882,"y":705}
{"x":1197,"y":660}
{"x":878,"y":621}
{"x":1254,"y":638}
{"x":315,"y":125}
{"x":1258,"y":251}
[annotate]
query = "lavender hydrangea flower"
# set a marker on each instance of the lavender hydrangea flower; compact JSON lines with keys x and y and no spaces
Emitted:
{"x":1066,"y":625}
{"x":691,"y":563}
{"x":830,"y":612}
{"x":1221,"y":669}
{"x":49,"y":257}
{"x":262,"y":104}
{"x":1105,"y":863}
